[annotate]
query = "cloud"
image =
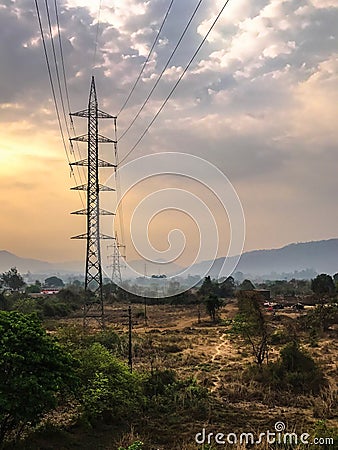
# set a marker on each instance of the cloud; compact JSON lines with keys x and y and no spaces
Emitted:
{"x":260,"y":101}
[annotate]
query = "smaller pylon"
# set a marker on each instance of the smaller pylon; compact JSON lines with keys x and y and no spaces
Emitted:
{"x":116,"y":261}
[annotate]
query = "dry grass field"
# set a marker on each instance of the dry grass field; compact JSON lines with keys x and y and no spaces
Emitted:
{"x":179,"y":338}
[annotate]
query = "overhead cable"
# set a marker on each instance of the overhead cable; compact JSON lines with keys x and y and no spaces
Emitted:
{"x":177,"y":82}
{"x":97,"y":33}
{"x":163,"y":70}
{"x":53,"y":90}
{"x":147,"y":59}
{"x":72,"y":126}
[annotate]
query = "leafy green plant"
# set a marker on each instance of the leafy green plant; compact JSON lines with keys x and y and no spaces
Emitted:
{"x":295,"y":371}
{"x":34,"y":369}
{"x":137,"y":445}
{"x":251,"y":325}
{"x":109,"y":391}
{"x":322,"y":430}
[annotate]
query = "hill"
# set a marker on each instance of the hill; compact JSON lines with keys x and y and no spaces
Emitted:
{"x":320,"y":256}
{"x":8,"y":260}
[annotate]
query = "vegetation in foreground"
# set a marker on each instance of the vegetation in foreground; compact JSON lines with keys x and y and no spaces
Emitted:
{"x":230,"y":367}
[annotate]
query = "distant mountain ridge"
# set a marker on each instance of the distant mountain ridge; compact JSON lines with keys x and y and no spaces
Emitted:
{"x":24,"y":265}
{"x":321,"y":256}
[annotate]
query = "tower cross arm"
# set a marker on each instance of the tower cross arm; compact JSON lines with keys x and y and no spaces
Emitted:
{"x":100,"y":138}
{"x":104,"y":115}
{"x":101,"y":163}
{"x":85,"y":113}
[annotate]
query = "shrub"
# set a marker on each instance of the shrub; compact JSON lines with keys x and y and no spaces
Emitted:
{"x":73,"y":337}
{"x":137,"y":445}
{"x":28,"y":306}
{"x":34,"y":369}
{"x":279,"y":337}
{"x":109,"y":391}
{"x":322,"y":430}
{"x":295,"y":371}
{"x":166,"y":393}
{"x":321,"y":318}
{"x":158,"y":381}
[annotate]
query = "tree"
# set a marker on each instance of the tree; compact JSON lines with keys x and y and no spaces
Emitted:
{"x":335,"y":279}
{"x":34,"y":369}
{"x":6,"y":302}
{"x":246,"y":286}
{"x":12,"y":279}
{"x":207,"y":286}
{"x":322,"y":317}
{"x":76,"y":283}
{"x":227,"y":287}
{"x":212,"y":304}
{"x":109,"y":291}
{"x":34,"y":288}
{"x":323,"y":285}
{"x":251,"y":324}
{"x":54,"y":282}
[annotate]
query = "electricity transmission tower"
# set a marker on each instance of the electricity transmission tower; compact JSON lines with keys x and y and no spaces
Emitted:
{"x":116,"y":261}
{"x":93,"y":304}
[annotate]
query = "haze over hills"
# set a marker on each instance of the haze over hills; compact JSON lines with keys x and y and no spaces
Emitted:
{"x":320,"y":256}
{"x":8,"y":260}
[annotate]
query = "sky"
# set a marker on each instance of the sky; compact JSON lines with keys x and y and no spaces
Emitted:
{"x":259,"y":102}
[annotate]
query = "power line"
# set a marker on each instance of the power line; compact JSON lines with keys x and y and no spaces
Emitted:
{"x":61,"y":54}
{"x":119,"y":200}
{"x":97,"y":34}
{"x":147,"y":59}
{"x":56,"y":68}
{"x":51,"y":81}
{"x":53,"y":90}
{"x":163,"y":70}
{"x":59,"y":83}
{"x":72,"y":126}
{"x":177,"y":82}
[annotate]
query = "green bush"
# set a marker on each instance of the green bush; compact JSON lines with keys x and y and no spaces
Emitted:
{"x":322,"y":430}
{"x":34,"y":369}
{"x":295,"y":371}
{"x":47,"y":307}
{"x":279,"y":337}
{"x":321,"y":318}
{"x":55,"y":308}
{"x":28,"y":306}
{"x":73,"y":337}
{"x":166,"y":394}
{"x":109,"y":391}
{"x":137,"y":445}
{"x":157,"y":382}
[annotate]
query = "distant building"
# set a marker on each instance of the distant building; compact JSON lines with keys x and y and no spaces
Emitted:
{"x":49,"y":291}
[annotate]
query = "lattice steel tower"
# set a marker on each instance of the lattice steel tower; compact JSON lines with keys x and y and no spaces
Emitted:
{"x":93,"y":306}
{"x":116,"y":261}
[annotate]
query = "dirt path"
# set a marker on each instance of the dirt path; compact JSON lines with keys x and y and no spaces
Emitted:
{"x":222,"y":349}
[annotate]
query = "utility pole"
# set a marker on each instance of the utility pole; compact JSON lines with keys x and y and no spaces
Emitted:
{"x":93,"y":304}
{"x":145,"y":312}
{"x":145,"y":298}
{"x":130,"y":348}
